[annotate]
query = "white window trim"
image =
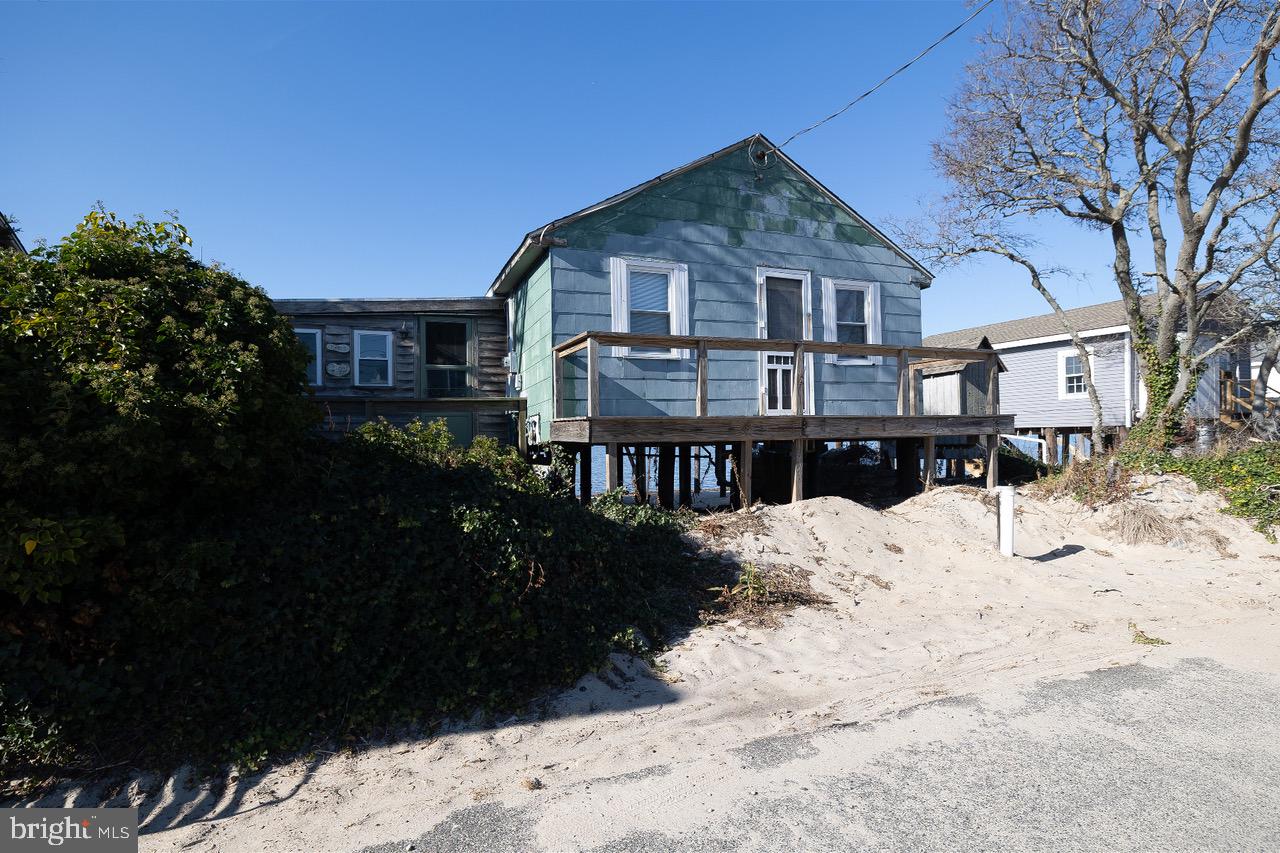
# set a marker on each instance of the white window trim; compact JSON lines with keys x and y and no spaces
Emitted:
{"x":677,"y":300}
{"x":806,"y":328}
{"x":355,"y":353}
{"x":1063,"y":355}
{"x":871,"y":289}
{"x":317,"y":380}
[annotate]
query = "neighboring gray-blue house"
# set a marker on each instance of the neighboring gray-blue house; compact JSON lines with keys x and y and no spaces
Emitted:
{"x":1044,"y":383}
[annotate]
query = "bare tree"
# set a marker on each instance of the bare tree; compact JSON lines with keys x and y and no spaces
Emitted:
{"x":956,"y":230}
{"x":1127,"y":116}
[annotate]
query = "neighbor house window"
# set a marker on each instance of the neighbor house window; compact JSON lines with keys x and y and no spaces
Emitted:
{"x":649,"y":298}
{"x":373,"y":358}
{"x":851,"y":315}
{"x":311,"y":342}
{"x":446,"y":349}
{"x":1071,"y":374}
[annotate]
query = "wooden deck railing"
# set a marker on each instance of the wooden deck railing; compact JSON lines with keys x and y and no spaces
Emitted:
{"x":908,"y":370}
{"x":1235,"y":398}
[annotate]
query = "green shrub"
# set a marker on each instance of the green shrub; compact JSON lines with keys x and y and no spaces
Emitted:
{"x":1249,"y":479}
{"x":188,"y":572}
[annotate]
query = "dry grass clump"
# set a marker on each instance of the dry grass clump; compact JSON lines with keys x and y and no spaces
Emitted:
{"x":1137,"y":523}
{"x":1093,"y":482}
{"x":716,"y":527}
{"x":762,"y":593}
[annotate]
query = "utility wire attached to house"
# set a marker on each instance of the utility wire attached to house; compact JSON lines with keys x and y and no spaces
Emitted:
{"x":760,"y":155}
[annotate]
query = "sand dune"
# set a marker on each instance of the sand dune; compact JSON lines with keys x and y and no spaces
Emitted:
{"x":922,"y":607}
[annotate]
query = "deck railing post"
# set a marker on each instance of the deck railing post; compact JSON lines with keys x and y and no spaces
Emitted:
{"x":557,"y":386}
{"x":797,"y":380}
{"x":593,"y":378}
{"x":904,"y":365}
{"x":913,"y":390}
{"x":797,"y":470}
{"x":700,"y":406}
{"x":993,"y":384}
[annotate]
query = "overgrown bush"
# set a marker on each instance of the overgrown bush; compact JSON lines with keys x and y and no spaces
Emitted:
{"x":209,"y":580}
{"x":1248,"y":478}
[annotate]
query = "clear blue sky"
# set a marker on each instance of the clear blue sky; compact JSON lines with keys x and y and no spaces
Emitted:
{"x":404,"y":149}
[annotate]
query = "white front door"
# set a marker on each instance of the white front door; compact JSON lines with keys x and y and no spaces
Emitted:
{"x":784,"y":312}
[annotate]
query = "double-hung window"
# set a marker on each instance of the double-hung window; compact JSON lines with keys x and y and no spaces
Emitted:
{"x":649,"y":297}
{"x":850,"y":315}
{"x":373,"y":358}
{"x":446,"y":352}
{"x":311,"y":342}
{"x":1071,"y":375}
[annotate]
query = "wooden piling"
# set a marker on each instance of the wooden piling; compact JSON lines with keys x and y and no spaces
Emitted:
{"x":930,"y":461}
{"x":666,"y":476}
{"x":686,"y":475}
{"x":797,"y":470}
{"x":1050,"y":436}
{"x":722,"y":476}
{"x":908,"y":479}
{"x":612,"y":467}
{"x":641,"y":475}
{"x":993,"y":461}
{"x":584,"y":474}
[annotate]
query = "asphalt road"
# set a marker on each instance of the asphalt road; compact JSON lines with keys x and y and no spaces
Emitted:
{"x":1130,"y":758}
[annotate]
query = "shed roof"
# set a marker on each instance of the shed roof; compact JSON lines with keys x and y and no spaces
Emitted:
{"x":536,"y":242}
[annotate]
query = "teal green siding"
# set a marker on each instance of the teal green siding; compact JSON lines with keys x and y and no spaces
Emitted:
{"x":724,"y":220}
{"x":531,"y":343}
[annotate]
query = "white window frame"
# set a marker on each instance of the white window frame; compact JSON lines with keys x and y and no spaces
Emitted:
{"x":1063,"y":355}
{"x":356,"y":356}
{"x":805,"y":277}
{"x":317,"y":380}
{"x":871,"y":293}
{"x":677,"y":300}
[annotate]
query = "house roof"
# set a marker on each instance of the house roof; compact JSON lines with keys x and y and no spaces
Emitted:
{"x":9,"y":236}
{"x":387,"y":306}
{"x":1088,"y":318}
{"x":537,"y":241}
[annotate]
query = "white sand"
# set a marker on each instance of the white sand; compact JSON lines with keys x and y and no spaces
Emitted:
{"x":958,"y":619}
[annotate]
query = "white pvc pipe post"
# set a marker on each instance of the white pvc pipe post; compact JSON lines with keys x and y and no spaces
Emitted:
{"x":1004,"y":523}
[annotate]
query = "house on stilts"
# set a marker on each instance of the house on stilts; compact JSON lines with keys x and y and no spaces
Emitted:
{"x":731,"y":302}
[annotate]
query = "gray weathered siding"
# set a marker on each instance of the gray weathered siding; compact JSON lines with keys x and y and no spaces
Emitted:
{"x":337,"y":323}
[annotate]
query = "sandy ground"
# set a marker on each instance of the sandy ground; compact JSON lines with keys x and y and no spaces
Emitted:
{"x":922,"y":608}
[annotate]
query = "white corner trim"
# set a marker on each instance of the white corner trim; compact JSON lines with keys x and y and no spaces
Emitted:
{"x":1063,"y":355}
{"x":355,"y":358}
{"x":1049,"y":339}
{"x":677,"y":300}
{"x":874,"y":316}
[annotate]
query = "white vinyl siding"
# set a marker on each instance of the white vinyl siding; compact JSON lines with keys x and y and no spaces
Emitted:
{"x":649,"y":297}
{"x":372,"y":358}
{"x":312,"y":341}
{"x":851,"y":315}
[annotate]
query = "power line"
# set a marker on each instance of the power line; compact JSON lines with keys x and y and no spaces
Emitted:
{"x":912,"y":61}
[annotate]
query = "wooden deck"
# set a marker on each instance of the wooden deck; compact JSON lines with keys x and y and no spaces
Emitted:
{"x":742,"y":432}
{"x":704,"y":430}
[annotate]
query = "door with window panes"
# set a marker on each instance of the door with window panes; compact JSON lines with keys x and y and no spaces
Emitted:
{"x":447,"y":356}
{"x":783,"y":315}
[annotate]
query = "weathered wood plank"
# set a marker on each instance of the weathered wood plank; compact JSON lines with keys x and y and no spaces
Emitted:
{"x":904,"y":365}
{"x":797,"y":379}
{"x":993,"y":385}
{"x":993,"y":461}
{"x":743,"y":470}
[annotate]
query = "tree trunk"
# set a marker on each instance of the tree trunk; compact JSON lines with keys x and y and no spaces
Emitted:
{"x":1259,"y":387}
